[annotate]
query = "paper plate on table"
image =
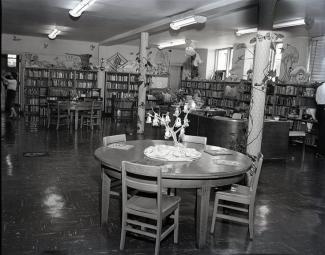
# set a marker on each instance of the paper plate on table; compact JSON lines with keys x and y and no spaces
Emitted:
{"x":171,"y":153}
{"x":225,"y":162}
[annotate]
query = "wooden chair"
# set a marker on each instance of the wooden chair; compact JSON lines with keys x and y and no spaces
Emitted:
{"x":194,"y":139}
{"x":242,"y":196}
{"x":93,"y":117}
{"x":57,"y":111}
{"x":107,"y":182}
{"x":149,"y":207}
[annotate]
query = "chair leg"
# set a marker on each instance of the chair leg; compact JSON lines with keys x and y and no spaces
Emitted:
{"x":158,"y":237}
{"x":215,"y":210}
{"x":81,"y":121}
{"x":123,"y":231}
{"x":251,"y":221}
{"x":106,"y":188}
{"x":176,"y":223}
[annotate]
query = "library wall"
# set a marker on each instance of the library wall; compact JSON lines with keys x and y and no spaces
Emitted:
{"x":46,"y":47}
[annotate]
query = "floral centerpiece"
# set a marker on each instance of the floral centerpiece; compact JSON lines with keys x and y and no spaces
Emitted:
{"x":175,"y":130}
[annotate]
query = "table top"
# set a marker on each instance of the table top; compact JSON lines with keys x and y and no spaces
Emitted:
{"x":206,"y":167}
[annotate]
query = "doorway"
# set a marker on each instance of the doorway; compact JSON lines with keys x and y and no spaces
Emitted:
{"x":10,"y":63}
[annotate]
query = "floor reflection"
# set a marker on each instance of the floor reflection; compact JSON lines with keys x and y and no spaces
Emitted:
{"x":54,"y":202}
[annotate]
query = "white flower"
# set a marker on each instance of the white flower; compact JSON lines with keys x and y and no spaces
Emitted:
{"x":167,"y":134}
{"x":148,"y":119}
{"x":185,"y":108}
{"x":178,"y":122}
{"x":186,"y":122}
{"x":167,"y":119}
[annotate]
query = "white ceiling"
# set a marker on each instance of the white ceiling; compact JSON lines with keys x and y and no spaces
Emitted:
{"x":118,"y":21}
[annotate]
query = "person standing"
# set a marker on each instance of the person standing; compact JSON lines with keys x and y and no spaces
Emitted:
{"x":320,"y":100}
{"x":11,"y":83}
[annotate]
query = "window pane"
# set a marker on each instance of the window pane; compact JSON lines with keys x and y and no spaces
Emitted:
{"x":277,"y":58}
{"x":222,"y":59}
{"x":11,"y":61}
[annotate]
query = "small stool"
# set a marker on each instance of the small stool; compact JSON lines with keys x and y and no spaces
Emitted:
{"x":300,"y":134}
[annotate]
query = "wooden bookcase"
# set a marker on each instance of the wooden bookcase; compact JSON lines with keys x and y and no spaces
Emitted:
{"x":121,"y":92}
{"x":41,"y":84}
{"x":290,"y":101}
{"x":213,"y":92}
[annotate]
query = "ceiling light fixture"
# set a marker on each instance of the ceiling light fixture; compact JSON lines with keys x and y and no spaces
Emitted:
{"x":54,"y":33}
{"x":81,"y":7}
{"x":171,"y":43}
{"x":177,"y":24}
{"x":290,"y":23}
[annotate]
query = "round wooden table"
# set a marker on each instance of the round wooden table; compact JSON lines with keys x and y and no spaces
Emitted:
{"x":201,"y":174}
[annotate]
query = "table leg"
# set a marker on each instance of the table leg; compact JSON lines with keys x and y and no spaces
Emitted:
{"x":76,"y":120}
{"x":202,"y":213}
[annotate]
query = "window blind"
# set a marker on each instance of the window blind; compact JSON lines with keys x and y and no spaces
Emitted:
{"x":317,"y":59}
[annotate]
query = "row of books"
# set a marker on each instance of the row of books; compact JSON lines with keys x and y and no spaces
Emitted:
{"x":295,"y":91}
{"x":290,"y":101}
{"x":85,"y":84}
{"x":31,"y":91}
{"x":56,"y":92}
{"x":86,"y":76}
{"x":37,"y":73}
{"x":119,"y":77}
{"x":62,"y":74}
{"x":31,"y":82}
{"x":112,"y":85}
{"x":61,"y":83}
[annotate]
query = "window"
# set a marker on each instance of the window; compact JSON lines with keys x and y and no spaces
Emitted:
{"x":11,"y":60}
{"x":276,"y":58}
{"x":317,"y":59}
{"x":223,"y":61}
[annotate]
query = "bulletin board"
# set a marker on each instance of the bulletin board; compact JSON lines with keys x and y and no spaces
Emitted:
{"x":159,"y":82}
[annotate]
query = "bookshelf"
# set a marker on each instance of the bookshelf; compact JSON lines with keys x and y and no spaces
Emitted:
{"x":287,"y":101}
{"x":41,"y":84}
{"x":290,"y":101}
{"x":231,"y":96}
{"x":120,"y":90}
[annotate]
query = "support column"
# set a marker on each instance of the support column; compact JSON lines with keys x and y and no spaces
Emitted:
{"x":260,"y":71}
{"x":142,"y":88}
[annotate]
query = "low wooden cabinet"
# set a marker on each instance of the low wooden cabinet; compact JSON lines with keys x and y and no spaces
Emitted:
{"x":230,"y":133}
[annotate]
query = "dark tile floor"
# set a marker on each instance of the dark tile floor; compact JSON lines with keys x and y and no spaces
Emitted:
{"x":50,"y":204}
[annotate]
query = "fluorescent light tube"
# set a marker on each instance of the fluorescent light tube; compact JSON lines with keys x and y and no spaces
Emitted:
{"x":290,"y":23}
{"x":54,"y":33}
{"x":171,"y":43}
{"x":177,"y":24}
{"x":81,"y":7}
{"x":246,"y":31}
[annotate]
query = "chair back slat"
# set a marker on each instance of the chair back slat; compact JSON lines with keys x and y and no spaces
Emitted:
{"x":142,"y":177}
{"x":194,"y":139}
{"x":114,"y":139}
{"x":140,"y":184}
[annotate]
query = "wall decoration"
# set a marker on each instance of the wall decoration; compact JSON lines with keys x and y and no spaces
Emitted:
{"x":68,"y":61}
{"x":299,"y":75}
{"x":290,"y":57}
{"x":85,"y":60}
{"x":116,"y":61}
